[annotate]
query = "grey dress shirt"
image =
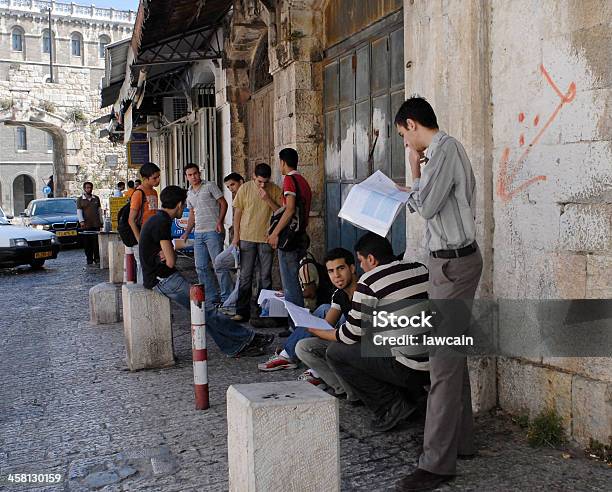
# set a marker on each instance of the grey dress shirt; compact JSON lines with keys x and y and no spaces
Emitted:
{"x":445,"y":195}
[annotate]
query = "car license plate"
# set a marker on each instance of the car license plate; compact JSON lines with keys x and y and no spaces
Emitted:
{"x":43,"y":254}
{"x":66,"y":233}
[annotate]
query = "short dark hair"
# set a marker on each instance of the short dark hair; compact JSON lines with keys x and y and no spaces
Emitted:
{"x":131,"y":183}
{"x":172,"y":195}
{"x":137,"y":181}
{"x":418,"y":109}
{"x":233,"y":177}
{"x":289,"y":156}
{"x":149,"y":169}
{"x":120,"y":184}
{"x":87,"y":183}
{"x":263,"y":170}
{"x":377,"y":246}
{"x":191,"y":165}
{"x":340,"y":253}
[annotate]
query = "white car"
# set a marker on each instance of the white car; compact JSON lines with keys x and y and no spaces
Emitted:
{"x":25,"y":245}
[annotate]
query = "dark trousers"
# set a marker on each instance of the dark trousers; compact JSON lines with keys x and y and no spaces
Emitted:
{"x":376,"y":381}
{"x":90,"y":243}
{"x":250,"y":252}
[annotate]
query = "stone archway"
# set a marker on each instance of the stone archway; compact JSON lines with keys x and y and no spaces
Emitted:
{"x":63,"y":131}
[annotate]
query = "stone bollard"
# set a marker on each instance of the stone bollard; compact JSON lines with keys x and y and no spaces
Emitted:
{"x":103,"y":238}
{"x":295,"y":416}
{"x":104,"y":304}
{"x":147,"y":328}
{"x":116,"y":258}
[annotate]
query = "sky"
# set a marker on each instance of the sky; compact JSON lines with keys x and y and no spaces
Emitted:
{"x":116,"y":4}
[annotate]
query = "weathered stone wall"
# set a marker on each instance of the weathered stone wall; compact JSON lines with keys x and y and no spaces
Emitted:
{"x":551,"y":83}
{"x":526,"y":88}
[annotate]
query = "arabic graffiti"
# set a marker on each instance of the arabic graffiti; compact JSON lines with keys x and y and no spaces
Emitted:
{"x":506,"y":187}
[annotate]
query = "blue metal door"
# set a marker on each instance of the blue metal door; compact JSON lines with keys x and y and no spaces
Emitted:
{"x":363,"y":88}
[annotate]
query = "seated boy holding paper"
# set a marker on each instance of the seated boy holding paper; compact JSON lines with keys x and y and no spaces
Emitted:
{"x":340,"y":266}
{"x":387,"y":387}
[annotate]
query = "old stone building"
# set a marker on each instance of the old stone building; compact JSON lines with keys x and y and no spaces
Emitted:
{"x":525,"y":86}
{"x":47,"y":130}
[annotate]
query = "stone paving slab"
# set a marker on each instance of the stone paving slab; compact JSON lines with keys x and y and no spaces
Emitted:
{"x":68,"y":405}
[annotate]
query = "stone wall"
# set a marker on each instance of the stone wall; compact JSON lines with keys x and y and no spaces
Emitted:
{"x":526,"y":88}
{"x":551,"y":82}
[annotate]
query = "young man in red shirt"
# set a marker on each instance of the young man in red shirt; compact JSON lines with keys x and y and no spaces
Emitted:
{"x":297,"y":198}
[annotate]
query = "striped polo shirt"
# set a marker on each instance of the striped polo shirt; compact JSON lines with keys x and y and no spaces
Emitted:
{"x":397,"y":280}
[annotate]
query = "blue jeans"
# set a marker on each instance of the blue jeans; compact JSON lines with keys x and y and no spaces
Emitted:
{"x":230,"y":337}
{"x":289,"y":263}
{"x":225,"y":262}
{"x":206,"y":247}
{"x":302,"y":332}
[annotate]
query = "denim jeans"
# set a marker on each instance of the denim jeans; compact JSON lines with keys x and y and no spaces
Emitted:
{"x":230,"y":337}
{"x":249,"y":253}
{"x":227,"y":261}
{"x":289,"y":263}
{"x":206,"y":247}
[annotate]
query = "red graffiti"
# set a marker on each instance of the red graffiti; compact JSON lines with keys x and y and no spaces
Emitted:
{"x":506,"y":188}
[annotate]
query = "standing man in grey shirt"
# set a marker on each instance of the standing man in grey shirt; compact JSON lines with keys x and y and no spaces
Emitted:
{"x":207,"y":209}
{"x":443,"y":193}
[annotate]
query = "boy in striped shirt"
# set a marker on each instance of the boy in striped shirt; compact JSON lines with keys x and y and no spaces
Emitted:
{"x":387,"y":387}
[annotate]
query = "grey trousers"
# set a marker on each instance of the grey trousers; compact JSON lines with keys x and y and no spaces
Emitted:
{"x":449,"y":421}
{"x":312,"y":352}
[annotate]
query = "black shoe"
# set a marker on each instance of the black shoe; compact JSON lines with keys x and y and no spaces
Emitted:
{"x":421,"y":480}
{"x":399,"y":411}
{"x":330,"y":391}
{"x":265,"y":322}
{"x":466,"y":457}
{"x":257,"y":347}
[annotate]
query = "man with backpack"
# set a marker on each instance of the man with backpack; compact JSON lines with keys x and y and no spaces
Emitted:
{"x":288,"y":233}
{"x":143,"y":205}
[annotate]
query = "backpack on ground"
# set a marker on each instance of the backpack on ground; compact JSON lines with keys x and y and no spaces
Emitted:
{"x":123,"y":226}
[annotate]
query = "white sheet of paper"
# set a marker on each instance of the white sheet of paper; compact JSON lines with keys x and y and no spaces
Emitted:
{"x":302,"y":317}
{"x":373,"y":204}
{"x":269,"y":294}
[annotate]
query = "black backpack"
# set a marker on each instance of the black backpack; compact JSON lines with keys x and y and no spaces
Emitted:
{"x":123,"y":226}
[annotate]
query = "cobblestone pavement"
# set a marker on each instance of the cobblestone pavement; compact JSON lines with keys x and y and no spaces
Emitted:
{"x":69,"y":406}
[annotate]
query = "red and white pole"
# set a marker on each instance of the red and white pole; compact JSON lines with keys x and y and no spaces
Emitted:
{"x":198,"y":345}
{"x":130,"y":265}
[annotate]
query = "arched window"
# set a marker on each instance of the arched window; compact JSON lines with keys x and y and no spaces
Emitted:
{"x":22,"y":140}
{"x":104,"y":40}
{"x":76,"y":44}
{"x":46,"y":41}
{"x":23,"y":192}
{"x":17,"y":39}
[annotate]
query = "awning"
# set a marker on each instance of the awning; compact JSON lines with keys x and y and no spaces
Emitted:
{"x":178,"y":31}
{"x":110,"y":94}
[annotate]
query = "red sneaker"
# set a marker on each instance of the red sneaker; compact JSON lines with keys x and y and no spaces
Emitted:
{"x":276,"y":363}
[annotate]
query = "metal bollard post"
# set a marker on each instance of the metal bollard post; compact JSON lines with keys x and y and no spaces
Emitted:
{"x":198,"y":344}
{"x":130,"y":265}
